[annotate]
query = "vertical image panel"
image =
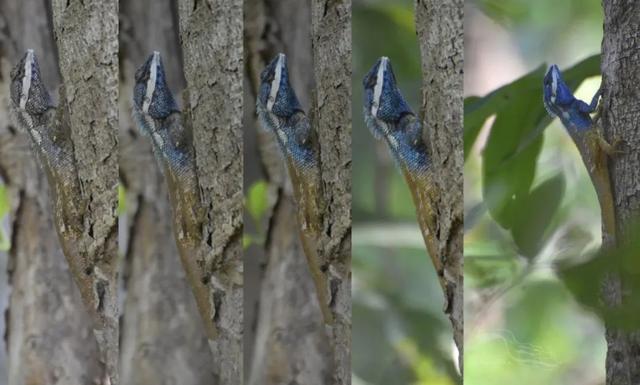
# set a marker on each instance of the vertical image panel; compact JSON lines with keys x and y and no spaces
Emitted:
{"x":297,"y":191}
{"x":551,"y":204}
{"x":407,"y":202}
{"x":196,"y":144}
{"x":163,"y":335}
{"x":67,"y":205}
{"x":36,"y":284}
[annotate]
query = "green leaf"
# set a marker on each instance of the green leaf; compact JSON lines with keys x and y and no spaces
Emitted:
{"x":476,"y":111}
{"x":4,"y":201}
{"x":509,"y":162}
{"x":529,"y":229}
{"x":257,"y":200}
{"x":487,"y":263}
{"x":122,"y":199}
{"x":247,"y":240}
{"x":585,"y":281}
{"x":5,"y":242}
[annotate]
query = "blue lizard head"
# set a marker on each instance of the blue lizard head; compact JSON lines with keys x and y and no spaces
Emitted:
{"x":28,"y":92}
{"x":559,"y":101}
{"x":557,"y":95}
{"x":280,"y":112}
{"x":275,"y":94}
{"x":383,"y":99}
{"x":389,"y":116}
{"x":151,"y":95}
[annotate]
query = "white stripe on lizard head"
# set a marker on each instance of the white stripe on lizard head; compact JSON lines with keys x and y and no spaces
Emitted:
{"x":151,"y":82}
{"x":554,"y":85}
{"x":377,"y":89}
{"x":275,"y":83}
{"x":26,"y":79}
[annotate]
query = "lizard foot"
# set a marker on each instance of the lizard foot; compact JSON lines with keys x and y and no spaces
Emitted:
{"x":599,"y":142}
{"x":613,"y":148}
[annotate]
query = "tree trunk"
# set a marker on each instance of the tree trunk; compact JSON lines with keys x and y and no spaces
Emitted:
{"x":48,"y":332}
{"x":291,"y":343}
{"x":211,"y":37}
{"x":440,"y":35}
{"x":621,"y":120}
{"x":163,"y":339}
{"x":86,"y":34}
{"x":331,"y":119}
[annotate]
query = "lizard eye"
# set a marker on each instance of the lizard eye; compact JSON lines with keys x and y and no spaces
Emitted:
{"x":141,"y":75}
{"x":371,"y":82}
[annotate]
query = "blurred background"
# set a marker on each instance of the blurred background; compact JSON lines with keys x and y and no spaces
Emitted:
{"x":522,"y":325}
{"x":400,"y":334}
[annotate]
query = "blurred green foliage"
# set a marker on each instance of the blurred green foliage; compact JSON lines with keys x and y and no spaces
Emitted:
{"x":511,"y":152}
{"x":400,"y":333}
{"x":532,"y":220}
{"x":398,"y":329}
{"x":122,"y":200}
{"x":256,"y":204}
{"x":560,"y":29}
{"x":5,"y":242}
{"x":579,"y":278}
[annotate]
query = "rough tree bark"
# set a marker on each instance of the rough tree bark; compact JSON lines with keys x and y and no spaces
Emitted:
{"x":621,"y":119}
{"x":211,"y":37}
{"x":331,"y":119}
{"x":163,"y":339}
{"x":291,"y":344}
{"x":48,"y":333}
{"x":440,"y":35}
{"x":86,"y":33}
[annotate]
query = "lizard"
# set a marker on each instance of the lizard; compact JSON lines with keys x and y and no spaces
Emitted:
{"x":280,"y":113}
{"x":586,"y":133}
{"x":48,"y":129}
{"x":157,"y":116}
{"x":390,"y":118}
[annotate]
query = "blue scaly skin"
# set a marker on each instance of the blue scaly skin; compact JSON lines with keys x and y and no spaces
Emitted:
{"x":390,"y":118}
{"x":585,"y":132}
{"x":280,"y":113}
{"x":157,"y":116}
